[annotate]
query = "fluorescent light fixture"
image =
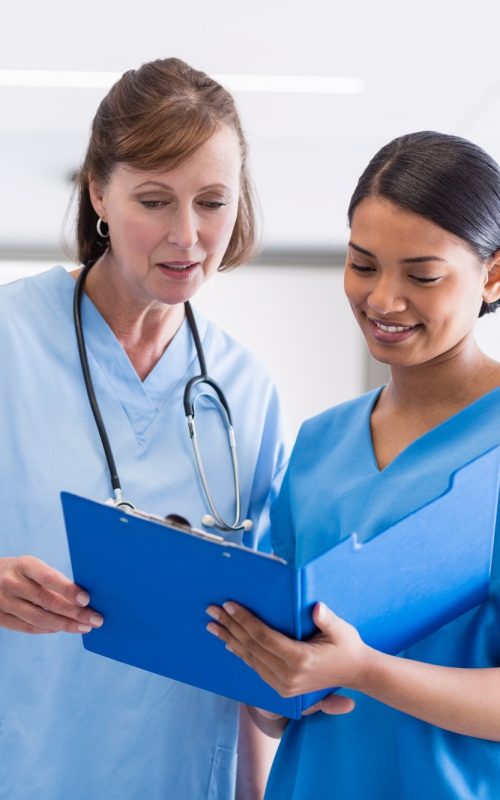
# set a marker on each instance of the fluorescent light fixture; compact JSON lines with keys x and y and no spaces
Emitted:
{"x":48,"y":79}
{"x":295,"y":84}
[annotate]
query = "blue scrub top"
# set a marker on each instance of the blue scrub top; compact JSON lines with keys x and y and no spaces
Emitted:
{"x":74,"y":725}
{"x":333,"y":486}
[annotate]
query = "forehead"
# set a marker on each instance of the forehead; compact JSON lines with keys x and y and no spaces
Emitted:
{"x":380,"y":226}
{"x":216,"y":161}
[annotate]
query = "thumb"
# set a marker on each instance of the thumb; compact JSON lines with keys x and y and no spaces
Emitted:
{"x":336,"y":704}
{"x":324,"y":618}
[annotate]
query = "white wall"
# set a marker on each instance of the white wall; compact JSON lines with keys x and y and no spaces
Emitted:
{"x":296,"y":319}
{"x":488,"y":334}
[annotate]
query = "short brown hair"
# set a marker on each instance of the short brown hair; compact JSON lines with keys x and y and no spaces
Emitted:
{"x":156,"y":117}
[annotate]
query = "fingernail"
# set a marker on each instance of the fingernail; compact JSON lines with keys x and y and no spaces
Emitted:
{"x":213,"y":629}
{"x":96,"y":621}
{"x":83,"y":599}
{"x":212,"y":611}
{"x":229,"y":607}
{"x":84,"y":628}
{"x":229,"y":648}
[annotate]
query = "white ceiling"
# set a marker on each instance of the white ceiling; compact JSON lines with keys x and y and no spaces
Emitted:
{"x":426,"y":65}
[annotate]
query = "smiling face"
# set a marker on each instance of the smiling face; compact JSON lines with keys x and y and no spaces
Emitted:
{"x":415,"y":289}
{"x":169,"y":230}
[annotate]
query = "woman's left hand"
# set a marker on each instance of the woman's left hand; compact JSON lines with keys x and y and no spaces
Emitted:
{"x":335,"y":656}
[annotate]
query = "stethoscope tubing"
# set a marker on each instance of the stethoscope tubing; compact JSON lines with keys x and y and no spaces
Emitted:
{"x":82,"y":351}
{"x":215,"y":519}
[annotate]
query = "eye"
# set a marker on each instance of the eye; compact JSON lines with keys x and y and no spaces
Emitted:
{"x":153,"y":203}
{"x":425,"y":281}
{"x":212,"y":204}
{"x":362,"y":270}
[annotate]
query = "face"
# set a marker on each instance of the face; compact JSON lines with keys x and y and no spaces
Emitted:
{"x":415,"y":289}
{"x":169,"y":230}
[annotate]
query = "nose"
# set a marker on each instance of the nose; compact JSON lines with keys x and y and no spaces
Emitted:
{"x":183,"y":230}
{"x":386,"y":296}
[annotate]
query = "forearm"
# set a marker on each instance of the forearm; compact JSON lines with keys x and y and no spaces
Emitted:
{"x":465,"y":701}
{"x":256,"y":751}
{"x":272,"y":726}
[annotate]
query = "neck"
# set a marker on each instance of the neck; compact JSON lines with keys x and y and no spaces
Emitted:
{"x":451,"y":381}
{"x":144,"y":329}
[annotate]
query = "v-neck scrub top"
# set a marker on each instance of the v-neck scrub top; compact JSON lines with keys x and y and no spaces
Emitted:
{"x":74,"y":725}
{"x":333,"y":487}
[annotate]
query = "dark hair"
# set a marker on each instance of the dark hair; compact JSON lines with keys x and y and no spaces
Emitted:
{"x":443,"y":178}
{"x":156,"y":117}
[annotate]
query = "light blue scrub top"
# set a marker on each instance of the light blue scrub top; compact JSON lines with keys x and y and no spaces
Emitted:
{"x":74,"y":725}
{"x":333,"y":486}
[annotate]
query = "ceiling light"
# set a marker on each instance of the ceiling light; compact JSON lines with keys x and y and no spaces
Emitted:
{"x":298,"y":84}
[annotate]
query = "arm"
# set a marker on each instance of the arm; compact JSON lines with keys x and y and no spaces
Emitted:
{"x":35,"y":598}
{"x":256,"y":751}
{"x":465,"y":701}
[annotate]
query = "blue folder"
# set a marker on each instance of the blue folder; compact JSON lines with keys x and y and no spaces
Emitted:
{"x":152,"y":581}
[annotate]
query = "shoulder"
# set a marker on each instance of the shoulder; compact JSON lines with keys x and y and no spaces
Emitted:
{"x":22,"y":296}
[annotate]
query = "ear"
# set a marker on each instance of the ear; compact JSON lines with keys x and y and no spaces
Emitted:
{"x":491,"y":292}
{"x":96,"y":194}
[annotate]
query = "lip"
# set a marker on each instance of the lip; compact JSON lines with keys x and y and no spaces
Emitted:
{"x":178,"y":270}
{"x":390,"y":331}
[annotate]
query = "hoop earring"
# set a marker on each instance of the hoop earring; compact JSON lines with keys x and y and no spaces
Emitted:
{"x":98,"y":225}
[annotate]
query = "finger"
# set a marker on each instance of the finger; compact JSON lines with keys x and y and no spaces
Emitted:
{"x":15,"y":624}
{"x":332,"y":704}
{"x":337,"y":704}
{"x":269,"y":665}
{"x":46,"y":621}
{"x":18,"y":588}
{"x":51,"y":601}
{"x":325,"y":619}
{"x":41,"y":573}
{"x":248,"y":650}
{"x":271,"y":669}
{"x":244,"y":626}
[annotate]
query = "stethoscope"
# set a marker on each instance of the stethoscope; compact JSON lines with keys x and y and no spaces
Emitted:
{"x":214,"y":519}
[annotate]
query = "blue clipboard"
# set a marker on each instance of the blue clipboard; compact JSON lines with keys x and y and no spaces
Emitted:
{"x":153,"y":581}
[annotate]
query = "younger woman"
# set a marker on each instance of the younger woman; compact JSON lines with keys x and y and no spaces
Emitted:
{"x":423,"y":263}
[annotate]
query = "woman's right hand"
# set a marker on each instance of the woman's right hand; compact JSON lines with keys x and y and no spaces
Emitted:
{"x":35,"y":598}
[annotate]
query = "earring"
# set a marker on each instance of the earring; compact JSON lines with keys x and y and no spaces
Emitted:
{"x":102,"y":234}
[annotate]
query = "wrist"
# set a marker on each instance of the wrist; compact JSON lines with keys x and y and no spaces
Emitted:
{"x":367,"y":674}
{"x":367,"y":665}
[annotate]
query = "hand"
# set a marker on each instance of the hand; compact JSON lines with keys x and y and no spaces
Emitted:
{"x":334,"y":657}
{"x":332,"y":704}
{"x":35,"y":598}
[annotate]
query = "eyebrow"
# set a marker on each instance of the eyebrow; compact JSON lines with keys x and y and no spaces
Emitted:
{"x":414,"y":260}
{"x":161,"y":185}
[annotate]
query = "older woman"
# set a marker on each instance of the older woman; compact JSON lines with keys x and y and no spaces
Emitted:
{"x":164,"y":202}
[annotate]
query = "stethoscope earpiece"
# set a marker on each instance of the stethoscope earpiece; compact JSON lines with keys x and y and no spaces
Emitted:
{"x":209,"y":522}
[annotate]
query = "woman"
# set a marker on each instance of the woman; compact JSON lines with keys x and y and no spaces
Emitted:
{"x":164,"y":202}
{"x":423,"y":263}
